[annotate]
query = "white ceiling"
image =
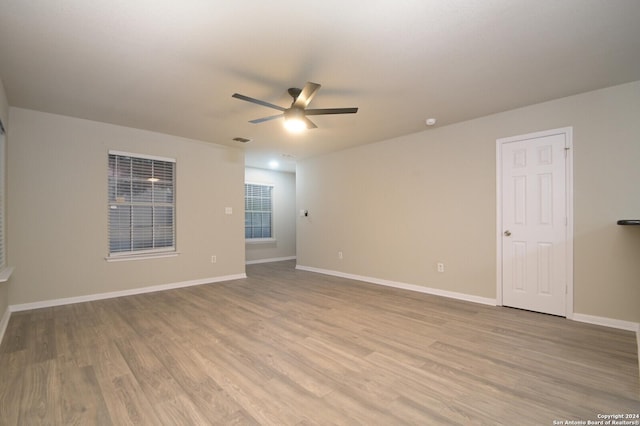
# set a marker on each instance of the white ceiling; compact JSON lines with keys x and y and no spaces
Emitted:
{"x":172,"y":66}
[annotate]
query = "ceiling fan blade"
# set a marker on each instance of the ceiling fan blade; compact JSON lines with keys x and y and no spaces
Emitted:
{"x":308,"y":92}
{"x":310,"y":124}
{"x":323,"y":111}
{"x":257,"y":101}
{"x":263,"y":119}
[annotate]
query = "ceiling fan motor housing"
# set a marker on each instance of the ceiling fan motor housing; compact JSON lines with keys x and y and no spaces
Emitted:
{"x":294,"y":92}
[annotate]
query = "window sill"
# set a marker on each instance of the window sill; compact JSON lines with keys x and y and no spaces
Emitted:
{"x":260,"y":240}
{"x":145,"y":256}
{"x":5,"y":274}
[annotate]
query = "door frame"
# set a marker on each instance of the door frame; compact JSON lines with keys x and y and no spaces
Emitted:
{"x":568,"y":134}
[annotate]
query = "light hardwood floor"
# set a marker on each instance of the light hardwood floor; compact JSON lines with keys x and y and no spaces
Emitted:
{"x":287,"y":347}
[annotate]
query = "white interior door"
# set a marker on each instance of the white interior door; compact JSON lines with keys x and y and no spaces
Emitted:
{"x":534,"y":227}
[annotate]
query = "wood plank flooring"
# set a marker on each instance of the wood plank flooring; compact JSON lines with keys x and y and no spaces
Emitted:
{"x":287,"y":347}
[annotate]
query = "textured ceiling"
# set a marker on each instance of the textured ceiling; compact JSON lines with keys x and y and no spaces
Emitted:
{"x":172,"y":67}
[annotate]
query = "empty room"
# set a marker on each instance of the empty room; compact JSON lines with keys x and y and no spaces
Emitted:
{"x":311,"y":213}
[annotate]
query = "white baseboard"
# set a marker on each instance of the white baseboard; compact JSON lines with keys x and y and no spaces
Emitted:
{"x":275,"y":259}
{"x":405,"y":286}
{"x":113,"y":294}
{"x":4,"y":322}
{"x":607,"y":322}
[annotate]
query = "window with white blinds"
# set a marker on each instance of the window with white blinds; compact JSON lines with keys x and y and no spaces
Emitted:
{"x":141,"y":204}
{"x":258,"y":211}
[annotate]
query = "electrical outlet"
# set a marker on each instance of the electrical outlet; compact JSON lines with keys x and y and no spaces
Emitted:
{"x":440,"y":266}
{"x":340,"y":255}
{"x":214,"y":259}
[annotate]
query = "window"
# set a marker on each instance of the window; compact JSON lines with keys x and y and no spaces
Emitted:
{"x":258,"y":211}
{"x":141,"y":204}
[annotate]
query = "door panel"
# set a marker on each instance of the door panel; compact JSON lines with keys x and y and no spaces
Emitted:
{"x":534,"y":218}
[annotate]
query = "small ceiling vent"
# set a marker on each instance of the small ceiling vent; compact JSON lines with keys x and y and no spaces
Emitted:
{"x":243,"y":140}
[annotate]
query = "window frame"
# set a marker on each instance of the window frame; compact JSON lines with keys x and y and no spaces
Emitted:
{"x":258,"y":240}
{"x":150,"y":251}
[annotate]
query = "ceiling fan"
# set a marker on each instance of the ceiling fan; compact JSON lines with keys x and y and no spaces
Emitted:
{"x":295,"y":117}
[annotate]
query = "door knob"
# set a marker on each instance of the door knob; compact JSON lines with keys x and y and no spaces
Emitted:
{"x":507,"y":233}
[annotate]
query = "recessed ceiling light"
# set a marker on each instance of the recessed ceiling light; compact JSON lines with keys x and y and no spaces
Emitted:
{"x":430,"y":121}
{"x":274,"y":164}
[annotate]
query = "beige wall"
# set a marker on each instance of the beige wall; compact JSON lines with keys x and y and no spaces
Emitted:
{"x":397,"y":207}
{"x":4,"y":105}
{"x":4,"y":117}
{"x":284,"y":210}
{"x":57,"y":184}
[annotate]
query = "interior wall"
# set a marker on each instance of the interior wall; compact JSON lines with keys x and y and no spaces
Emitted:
{"x":397,"y":207}
{"x":284,"y":215}
{"x":4,"y":116}
{"x":58,"y":216}
{"x":4,"y":105}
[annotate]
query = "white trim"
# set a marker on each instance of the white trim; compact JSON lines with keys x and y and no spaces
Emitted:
{"x":404,"y":286}
{"x":145,"y":156}
{"x":4,"y":322}
{"x":568,"y":133}
{"x":5,"y":274}
{"x":607,"y":322}
{"x":273,"y":185}
{"x":260,"y":240}
{"x":3,"y":204}
{"x":638,"y":342}
{"x":146,"y":256}
{"x":274,"y":259}
{"x":113,"y":294}
{"x":499,"y":222}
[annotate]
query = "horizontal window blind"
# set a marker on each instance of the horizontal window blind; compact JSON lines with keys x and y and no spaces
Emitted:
{"x":258,"y":211}
{"x":141,"y":204}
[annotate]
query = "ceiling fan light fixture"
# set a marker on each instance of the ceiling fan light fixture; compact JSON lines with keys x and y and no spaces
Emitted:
{"x":294,"y":125}
{"x":294,"y":120}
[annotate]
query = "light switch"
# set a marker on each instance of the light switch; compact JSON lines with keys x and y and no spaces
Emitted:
{"x":228,"y":210}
